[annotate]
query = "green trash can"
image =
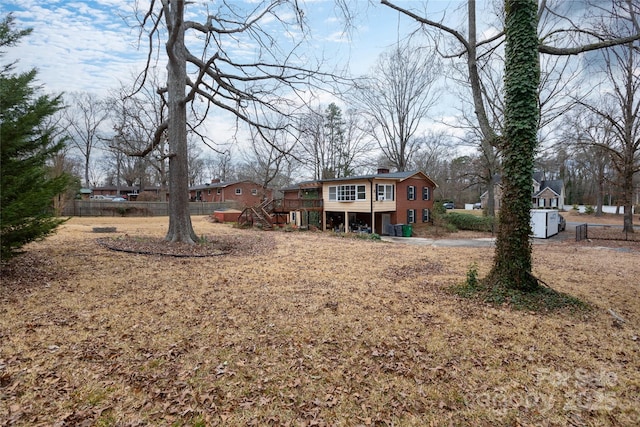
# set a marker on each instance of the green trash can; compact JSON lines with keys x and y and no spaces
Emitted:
{"x":407,"y":229}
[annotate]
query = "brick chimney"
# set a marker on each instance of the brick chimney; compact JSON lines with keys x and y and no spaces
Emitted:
{"x":382,"y":170}
{"x":215,"y":181}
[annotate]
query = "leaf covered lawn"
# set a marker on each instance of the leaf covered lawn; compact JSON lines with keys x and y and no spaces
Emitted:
{"x":307,"y":329}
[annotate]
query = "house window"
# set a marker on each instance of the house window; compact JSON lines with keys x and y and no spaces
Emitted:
{"x":541,"y":202}
{"x":385,"y":192}
{"x":218,"y":191}
{"x":411,"y":216}
{"x":238,"y":191}
{"x":411,"y":192}
{"x":254,"y":191}
{"x":426,"y":215}
{"x":208,"y":192}
{"x":554,"y":203}
{"x":426,"y":194}
{"x":347,"y":193}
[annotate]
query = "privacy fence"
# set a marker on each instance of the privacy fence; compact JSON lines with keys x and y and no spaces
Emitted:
{"x":605,"y":232}
{"x":109,"y":208}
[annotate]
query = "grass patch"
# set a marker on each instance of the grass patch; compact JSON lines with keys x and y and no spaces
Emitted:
{"x":359,"y":236}
{"x":306,"y":329}
{"x":544,"y":299}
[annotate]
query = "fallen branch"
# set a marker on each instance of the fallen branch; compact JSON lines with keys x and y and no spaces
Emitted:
{"x":617,"y":319}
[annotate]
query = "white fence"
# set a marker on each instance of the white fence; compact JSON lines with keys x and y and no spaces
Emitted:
{"x":605,"y":209}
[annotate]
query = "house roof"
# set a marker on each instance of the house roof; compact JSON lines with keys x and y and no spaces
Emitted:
{"x":303,"y":184}
{"x":396,"y":176}
{"x":554,"y":185}
{"x":209,"y":185}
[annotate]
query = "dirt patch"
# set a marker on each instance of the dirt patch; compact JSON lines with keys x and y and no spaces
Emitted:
{"x":207,"y":246}
{"x":307,"y":329}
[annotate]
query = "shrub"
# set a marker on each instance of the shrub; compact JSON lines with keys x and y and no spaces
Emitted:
{"x":147,"y":196}
{"x":464,"y":221}
{"x":589,"y":210}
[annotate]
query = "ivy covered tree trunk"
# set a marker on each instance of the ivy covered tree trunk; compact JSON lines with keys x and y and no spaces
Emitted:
{"x":513,"y":256}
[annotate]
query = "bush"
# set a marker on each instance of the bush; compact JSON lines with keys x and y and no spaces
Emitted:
{"x":470,"y":222}
{"x":589,"y":210}
{"x":147,"y":196}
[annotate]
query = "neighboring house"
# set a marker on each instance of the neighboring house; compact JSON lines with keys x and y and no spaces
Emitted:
{"x":544,"y":193}
{"x":128,"y":192}
{"x":547,"y":193}
{"x":366,"y":202}
{"x":244,"y":193}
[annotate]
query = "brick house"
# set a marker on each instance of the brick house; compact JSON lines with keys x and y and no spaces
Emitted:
{"x":363,"y":203}
{"x":243,"y":193}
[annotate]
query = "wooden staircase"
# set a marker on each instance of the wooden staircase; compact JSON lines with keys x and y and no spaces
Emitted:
{"x":260,"y":214}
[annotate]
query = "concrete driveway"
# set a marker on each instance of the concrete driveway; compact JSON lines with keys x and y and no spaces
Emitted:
{"x":460,"y":243}
{"x":482,"y":242}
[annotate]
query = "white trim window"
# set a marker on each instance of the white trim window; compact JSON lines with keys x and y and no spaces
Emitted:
{"x":238,"y":191}
{"x":426,"y":193}
{"x":426,"y":215}
{"x":347,"y":193}
{"x":254,"y":191}
{"x":411,"y":192}
{"x":411,"y":216}
{"x":385,"y":192}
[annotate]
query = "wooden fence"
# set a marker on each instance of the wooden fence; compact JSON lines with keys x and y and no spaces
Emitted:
{"x":109,"y":208}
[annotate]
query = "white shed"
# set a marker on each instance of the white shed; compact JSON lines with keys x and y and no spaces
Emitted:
{"x":544,"y":223}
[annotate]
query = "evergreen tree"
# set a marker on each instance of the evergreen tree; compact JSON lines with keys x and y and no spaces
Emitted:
{"x":27,"y":191}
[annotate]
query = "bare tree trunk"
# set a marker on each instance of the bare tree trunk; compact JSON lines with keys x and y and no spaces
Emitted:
{"x":180,"y":227}
{"x":627,"y":199}
{"x":489,"y":137}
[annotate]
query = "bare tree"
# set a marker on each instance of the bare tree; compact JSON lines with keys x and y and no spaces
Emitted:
{"x":267,"y":159}
{"x":245,"y":89}
{"x":358,"y":144}
{"x":85,"y":114}
{"x":618,"y":109}
{"x":333,"y":145}
{"x":436,"y":150}
{"x":138,"y":120}
{"x":585,"y":135}
{"x":220,"y":165}
{"x":396,"y":97}
{"x":197,"y":169}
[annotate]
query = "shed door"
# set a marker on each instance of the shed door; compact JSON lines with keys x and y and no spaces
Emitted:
{"x":386,"y":220}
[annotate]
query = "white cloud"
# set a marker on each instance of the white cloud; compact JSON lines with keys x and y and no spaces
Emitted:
{"x":76,"y":46}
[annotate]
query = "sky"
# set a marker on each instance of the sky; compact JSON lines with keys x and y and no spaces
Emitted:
{"x":94,"y":46}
